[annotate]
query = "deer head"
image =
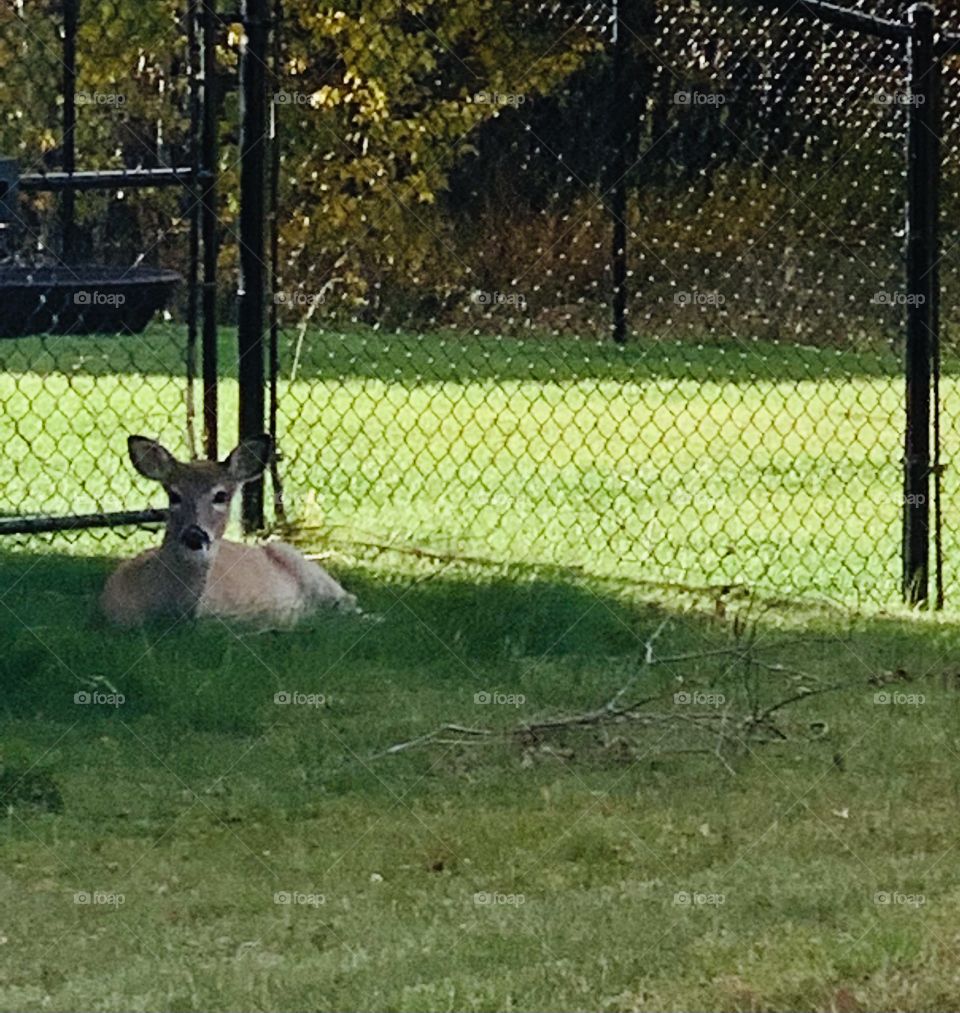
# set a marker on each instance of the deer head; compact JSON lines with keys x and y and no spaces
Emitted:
{"x":200,"y":492}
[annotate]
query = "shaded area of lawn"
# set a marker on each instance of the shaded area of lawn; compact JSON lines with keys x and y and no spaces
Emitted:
{"x":266,"y":859}
{"x":464,"y":356}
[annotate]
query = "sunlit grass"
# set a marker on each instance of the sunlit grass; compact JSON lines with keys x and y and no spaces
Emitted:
{"x":763,"y":464}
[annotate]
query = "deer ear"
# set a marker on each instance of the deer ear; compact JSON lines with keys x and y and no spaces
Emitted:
{"x":150,"y":459}
{"x":249,"y":459}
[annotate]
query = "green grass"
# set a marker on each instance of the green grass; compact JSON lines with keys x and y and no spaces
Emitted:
{"x":143,"y":846}
{"x":198,"y":799}
{"x":770,"y":465}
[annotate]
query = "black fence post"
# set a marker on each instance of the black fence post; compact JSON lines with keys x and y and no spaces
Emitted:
{"x":923,"y":172}
{"x":618,"y":203}
{"x":276,"y":70}
{"x":68,"y":213}
{"x":207,"y":184}
{"x":253,"y":250}
{"x":193,"y":254}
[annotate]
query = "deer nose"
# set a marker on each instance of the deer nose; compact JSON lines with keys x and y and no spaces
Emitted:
{"x":195,"y":538}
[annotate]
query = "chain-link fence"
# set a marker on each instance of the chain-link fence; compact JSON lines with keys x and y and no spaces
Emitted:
{"x":450,"y":222}
{"x":617,"y":286}
{"x":97,"y":294}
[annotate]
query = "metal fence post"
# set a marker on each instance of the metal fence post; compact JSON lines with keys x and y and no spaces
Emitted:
{"x":619,"y":200}
{"x":923,"y":171}
{"x":253,"y":249}
{"x":68,"y":213}
{"x":207,"y":186}
{"x":276,"y":70}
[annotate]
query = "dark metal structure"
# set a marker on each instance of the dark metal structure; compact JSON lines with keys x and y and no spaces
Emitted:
{"x":924,"y":49}
{"x":197,"y":181}
{"x":919,"y":39}
{"x":254,"y":162}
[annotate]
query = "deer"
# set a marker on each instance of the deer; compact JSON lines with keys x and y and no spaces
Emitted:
{"x":196,"y":572}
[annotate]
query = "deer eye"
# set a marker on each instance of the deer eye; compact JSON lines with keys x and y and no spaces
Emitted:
{"x":175,"y":499}
{"x":220,"y":497}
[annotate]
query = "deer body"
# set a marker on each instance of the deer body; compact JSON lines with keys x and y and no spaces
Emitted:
{"x":195,"y":571}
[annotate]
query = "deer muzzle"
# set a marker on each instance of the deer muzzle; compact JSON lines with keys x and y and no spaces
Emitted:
{"x":195,"y":538}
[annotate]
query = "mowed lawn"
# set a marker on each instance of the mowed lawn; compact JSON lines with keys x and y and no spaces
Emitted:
{"x":760,"y":463}
{"x":199,"y":845}
{"x":196,"y":816}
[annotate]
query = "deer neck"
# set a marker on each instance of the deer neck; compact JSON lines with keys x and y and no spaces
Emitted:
{"x":182,"y":577}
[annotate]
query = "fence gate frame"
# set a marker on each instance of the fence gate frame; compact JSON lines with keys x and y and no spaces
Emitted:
{"x":198,"y":179}
{"x":924,"y":48}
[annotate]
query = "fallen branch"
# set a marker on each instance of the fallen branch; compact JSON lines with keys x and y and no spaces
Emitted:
{"x":725,"y":727}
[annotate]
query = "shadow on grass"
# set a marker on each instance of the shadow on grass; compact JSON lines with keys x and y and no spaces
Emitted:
{"x":558,"y":640}
{"x":199,"y":796}
{"x":424,"y":633}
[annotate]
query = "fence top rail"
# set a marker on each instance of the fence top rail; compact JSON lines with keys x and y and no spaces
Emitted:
{"x":106,"y":179}
{"x":843,"y":17}
{"x":949,"y":44}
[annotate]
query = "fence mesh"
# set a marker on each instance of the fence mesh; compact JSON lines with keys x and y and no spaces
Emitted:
{"x":449,"y":191}
{"x":80,"y":271}
{"x":447,"y":371}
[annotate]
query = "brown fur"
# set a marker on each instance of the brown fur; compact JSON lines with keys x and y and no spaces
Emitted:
{"x":272,"y":582}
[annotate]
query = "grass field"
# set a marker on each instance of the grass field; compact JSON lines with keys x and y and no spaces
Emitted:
{"x":770,"y":465}
{"x":175,"y":838}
